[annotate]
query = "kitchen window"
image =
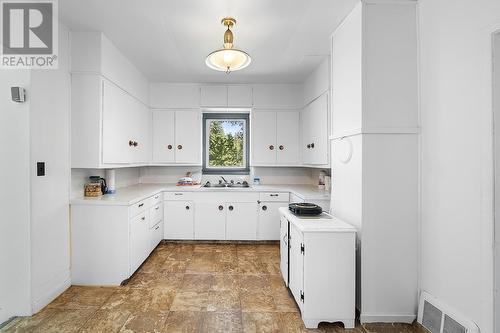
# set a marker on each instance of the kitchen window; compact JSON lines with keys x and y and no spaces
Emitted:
{"x":226,"y":143}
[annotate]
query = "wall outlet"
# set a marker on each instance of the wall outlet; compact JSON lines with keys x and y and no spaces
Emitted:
{"x":40,"y":169}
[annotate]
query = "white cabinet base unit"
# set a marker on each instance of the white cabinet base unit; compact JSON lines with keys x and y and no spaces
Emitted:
{"x":109,"y":242}
{"x":268,"y":227}
{"x":321,"y":267}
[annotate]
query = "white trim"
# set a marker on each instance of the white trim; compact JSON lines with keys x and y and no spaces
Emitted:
{"x":373,"y":318}
{"x":56,"y":288}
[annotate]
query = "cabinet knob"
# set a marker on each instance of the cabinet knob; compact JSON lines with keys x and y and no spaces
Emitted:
{"x":187,"y":207}
{"x":169,"y":147}
{"x":264,"y":207}
{"x":281,"y":147}
{"x":143,"y":218}
{"x":135,"y":144}
{"x":312,"y":145}
{"x":130,"y":143}
{"x":231,"y":207}
{"x":271,"y":147}
{"x":221,"y":207}
{"x":308,"y":146}
{"x":179,"y":147}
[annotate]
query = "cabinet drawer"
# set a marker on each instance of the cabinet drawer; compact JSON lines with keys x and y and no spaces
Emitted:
{"x":139,"y":207}
{"x":156,"y":199}
{"x":176,"y":196}
{"x":155,"y":214}
{"x":156,"y":234}
{"x":274,"y":196}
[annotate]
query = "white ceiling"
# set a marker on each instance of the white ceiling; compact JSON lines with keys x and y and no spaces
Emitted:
{"x":169,"y":40}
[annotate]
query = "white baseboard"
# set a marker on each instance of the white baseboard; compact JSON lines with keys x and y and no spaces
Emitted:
{"x":51,"y":290}
{"x":367,"y":318}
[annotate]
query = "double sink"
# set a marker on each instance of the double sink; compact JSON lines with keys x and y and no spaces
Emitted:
{"x":227,"y":185}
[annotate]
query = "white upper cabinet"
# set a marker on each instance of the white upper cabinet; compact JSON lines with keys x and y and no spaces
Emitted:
{"x":213,"y":96}
{"x":109,"y":127}
{"x":239,"y":96}
{"x":315,"y":125}
{"x":226,"y":96}
{"x":275,"y":138}
{"x":177,"y":137}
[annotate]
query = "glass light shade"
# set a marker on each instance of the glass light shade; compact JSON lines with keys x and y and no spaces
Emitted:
{"x":228,"y":60}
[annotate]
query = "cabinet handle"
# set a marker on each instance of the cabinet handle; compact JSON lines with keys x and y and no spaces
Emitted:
{"x":143,"y":218}
{"x":274,"y":195}
{"x":281,"y":147}
{"x":141,"y":205}
{"x":178,"y":193}
{"x":231,"y":207}
{"x":187,"y":207}
{"x":135,"y":144}
{"x":157,"y":227}
{"x":264,"y":207}
{"x":221,"y":207}
{"x":179,"y":147}
{"x":157,"y":208}
{"x":308,"y":146}
{"x":130,"y":143}
{"x":157,"y":196}
{"x":271,"y":147}
{"x":169,"y":147}
{"x":312,"y":145}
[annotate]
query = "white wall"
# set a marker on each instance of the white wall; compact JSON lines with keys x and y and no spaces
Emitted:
{"x":123,"y":177}
{"x":457,"y":225}
{"x":49,"y":142}
{"x":14,"y":198}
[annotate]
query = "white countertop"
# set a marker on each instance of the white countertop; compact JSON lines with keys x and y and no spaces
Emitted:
{"x":129,"y":195}
{"x":322,"y":223}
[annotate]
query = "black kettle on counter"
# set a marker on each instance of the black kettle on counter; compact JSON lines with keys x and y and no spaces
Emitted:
{"x":100,"y":180}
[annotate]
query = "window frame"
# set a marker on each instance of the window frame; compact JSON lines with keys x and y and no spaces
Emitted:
{"x":226,"y":170}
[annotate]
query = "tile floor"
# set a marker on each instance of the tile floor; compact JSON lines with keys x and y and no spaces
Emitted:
{"x":188,"y":287}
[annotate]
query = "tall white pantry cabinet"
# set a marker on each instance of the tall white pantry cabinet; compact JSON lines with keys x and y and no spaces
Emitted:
{"x":374,"y":155}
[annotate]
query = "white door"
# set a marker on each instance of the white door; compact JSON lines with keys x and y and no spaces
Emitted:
{"x":287,"y":138}
{"x":296,"y":261}
{"x":178,"y":219}
{"x":140,"y":240}
{"x":141,"y":132}
{"x":319,"y":130}
{"x":241,"y":222}
{"x":269,"y":220}
{"x":117,"y":133}
{"x":263,"y":138}
{"x":305,"y":121}
{"x":210,"y":220}
{"x":163,"y":136}
{"x":284,"y":249}
{"x":188,"y":137}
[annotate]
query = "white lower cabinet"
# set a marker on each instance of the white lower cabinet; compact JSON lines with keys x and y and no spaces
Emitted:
{"x":241,"y":221}
{"x":140,"y":240}
{"x":269,"y":220}
{"x":321,"y":268}
{"x":178,"y":219}
{"x":210,"y":220}
{"x":109,"y":242}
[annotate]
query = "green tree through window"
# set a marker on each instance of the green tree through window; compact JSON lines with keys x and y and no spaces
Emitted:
{"x":226,"y":143}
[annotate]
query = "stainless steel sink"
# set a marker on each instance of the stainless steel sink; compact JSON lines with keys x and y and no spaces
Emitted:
{"x":229,"y":185}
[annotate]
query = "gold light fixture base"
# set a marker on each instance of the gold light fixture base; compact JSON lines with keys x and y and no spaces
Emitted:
{"x":228,"y":21}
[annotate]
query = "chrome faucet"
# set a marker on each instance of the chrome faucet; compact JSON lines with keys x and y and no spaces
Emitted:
{"x":224,"y":179}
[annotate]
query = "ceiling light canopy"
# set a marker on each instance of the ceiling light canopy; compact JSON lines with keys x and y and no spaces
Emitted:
{"x":228,"y":59}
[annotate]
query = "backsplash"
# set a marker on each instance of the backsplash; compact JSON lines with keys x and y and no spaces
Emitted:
{"x":123,"y":177}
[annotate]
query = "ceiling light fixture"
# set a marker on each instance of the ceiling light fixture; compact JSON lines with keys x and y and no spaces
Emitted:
{"x":228,"y":59}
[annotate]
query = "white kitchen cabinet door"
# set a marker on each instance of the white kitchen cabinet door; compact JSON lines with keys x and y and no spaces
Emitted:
{"x":318,"y":128}
{"x":269,"y":220}
{"x":284,"y":249}
{"x":156,"y":235}
{"x":210,"y":220}
{"x":305,"y":130}
{"x":140,"y":240}
{"x":241,"y":221}
{"x":188,"y":137}
{"x":296,"y":261}
{"x":213,"y":96}
{"x":287,"y":138}
{"x":141,"y":132}
{"x":239,"y":96}
{"x":264,"y":138}
{"x":178,"y":219}
{"x":163,"y":136}
{"x":117,"y":131}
